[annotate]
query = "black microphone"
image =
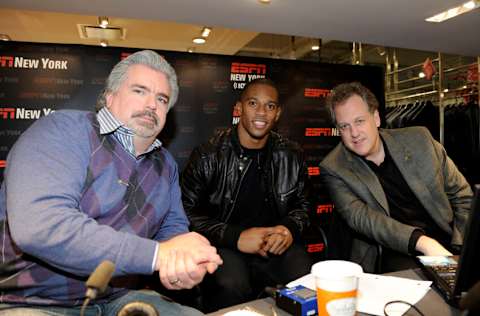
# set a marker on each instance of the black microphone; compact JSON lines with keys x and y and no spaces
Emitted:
{"x":471,"y":301}
{"x":98,"y":282}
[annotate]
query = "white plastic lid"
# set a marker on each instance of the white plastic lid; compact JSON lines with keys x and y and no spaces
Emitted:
{"x":334,"y":269}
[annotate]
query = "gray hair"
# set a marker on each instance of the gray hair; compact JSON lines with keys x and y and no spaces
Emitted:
{"x":147,"y":58}
{"x":344,"y":91}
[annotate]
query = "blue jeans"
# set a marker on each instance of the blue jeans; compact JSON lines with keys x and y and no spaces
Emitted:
{"x":163,"y":306}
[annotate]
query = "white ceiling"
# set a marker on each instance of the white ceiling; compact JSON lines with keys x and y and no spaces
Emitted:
{"x":171,"y":24}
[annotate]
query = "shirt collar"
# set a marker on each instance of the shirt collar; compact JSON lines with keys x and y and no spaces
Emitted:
{"x":386,"y":159}
{"x":110,"y":124}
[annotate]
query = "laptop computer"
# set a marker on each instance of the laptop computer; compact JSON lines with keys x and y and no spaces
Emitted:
{"x":454,"y":276}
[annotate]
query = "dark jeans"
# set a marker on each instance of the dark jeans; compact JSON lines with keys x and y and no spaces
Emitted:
{"x":243,"y":277}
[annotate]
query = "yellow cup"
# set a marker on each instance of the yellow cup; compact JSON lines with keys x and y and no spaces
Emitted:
{"x":336,"y":282}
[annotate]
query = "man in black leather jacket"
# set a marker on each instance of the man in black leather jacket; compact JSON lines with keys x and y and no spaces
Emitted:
{"x":245,"y":191}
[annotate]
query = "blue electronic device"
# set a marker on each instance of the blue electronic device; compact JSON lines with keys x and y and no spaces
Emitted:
{"x":298,"y":300}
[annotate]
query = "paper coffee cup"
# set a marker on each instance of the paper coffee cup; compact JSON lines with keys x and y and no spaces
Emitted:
{"x":336,"y":282}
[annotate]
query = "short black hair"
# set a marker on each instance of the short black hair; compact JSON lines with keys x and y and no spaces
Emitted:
{"x":264,"y":81}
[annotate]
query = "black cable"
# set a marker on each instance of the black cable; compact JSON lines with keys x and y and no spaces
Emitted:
{"x":401,"y":302}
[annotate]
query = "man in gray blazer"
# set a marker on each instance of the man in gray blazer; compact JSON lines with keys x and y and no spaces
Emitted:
{"x":395,"y":188}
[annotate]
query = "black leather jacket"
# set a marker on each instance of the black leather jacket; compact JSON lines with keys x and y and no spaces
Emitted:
{"x":211,"y":180}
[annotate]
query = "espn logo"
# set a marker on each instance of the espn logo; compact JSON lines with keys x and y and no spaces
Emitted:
{"x":316,"y":93}
{"x":321,"y":131}
{"x":236,"y":112}
{"x":7,"y":113}
{"x":246,"y":68}
{"x":28,"y":63}
{"x":235,"y":116}
{"x":313,"y":171}
{"x":315,"y":247}
{"x":324,"y":208}
{"x":318,"y":131}
{"x":6,"y":61}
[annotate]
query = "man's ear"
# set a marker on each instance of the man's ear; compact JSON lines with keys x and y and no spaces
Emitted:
{"x":279,"y":112}
{"x":108,"y":100}
{"x":238,"y":108}
{"x":376,"y":117}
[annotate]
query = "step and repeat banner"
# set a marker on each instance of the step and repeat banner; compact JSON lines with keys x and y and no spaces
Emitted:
{"x":37,"y":79}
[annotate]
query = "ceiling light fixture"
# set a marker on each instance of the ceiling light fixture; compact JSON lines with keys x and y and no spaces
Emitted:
{"x":264,"y":1}
{"x":206,"y":31}
{"x":455,"y":11}
{"x":421,"y":74}
{"x":103,"y":43}
{"x":103,"y":22}
{"x":469,"y":5}
{"x":315,"y":47}
{"x":199,"y":40}
{"x":4,"y":37}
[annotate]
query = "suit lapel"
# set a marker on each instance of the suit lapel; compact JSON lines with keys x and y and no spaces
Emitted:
{"x":368,"y":178}
{"x":405,"y":162}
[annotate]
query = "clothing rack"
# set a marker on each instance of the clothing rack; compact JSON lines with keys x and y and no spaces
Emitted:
{"x":396,"y":89}
{"x":433,"y":93}
{"x":466,"y":87}
{"x":437,"y":90}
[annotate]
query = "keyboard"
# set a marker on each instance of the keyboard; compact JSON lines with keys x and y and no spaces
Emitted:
{"x":446,"y":273}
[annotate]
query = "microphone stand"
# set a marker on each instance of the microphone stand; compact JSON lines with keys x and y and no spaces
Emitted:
{"x":84,"y":306}
{"x":97,"y":282}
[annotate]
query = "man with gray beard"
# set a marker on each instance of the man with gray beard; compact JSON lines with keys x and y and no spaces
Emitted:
{"x":83,"y":187}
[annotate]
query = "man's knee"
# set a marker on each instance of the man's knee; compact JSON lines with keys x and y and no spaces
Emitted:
{"x":234,"y":283}
{"x":22,"y":312}
{"x":296,"y":262}
{"x":151,"y":299}
{"x":233,"y":275}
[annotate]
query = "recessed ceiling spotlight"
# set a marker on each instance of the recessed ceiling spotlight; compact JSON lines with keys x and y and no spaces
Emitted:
{"x":469,"y":5}
{"x":315,"y":47}
{"x":103,"y":22}
{"x":264,"y":1}
{"x":191,"y":49}
{"x":103,"y":43}
{"x":4,"y":37}
{"x":199,"y":40}
{"x":455,"y":11}
{"x":206,"y":31}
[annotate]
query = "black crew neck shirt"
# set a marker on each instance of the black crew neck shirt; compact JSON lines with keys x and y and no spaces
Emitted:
{"x":253,"y":208}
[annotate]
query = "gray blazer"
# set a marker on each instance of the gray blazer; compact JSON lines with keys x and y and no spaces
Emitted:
{"x":359,"y":198}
